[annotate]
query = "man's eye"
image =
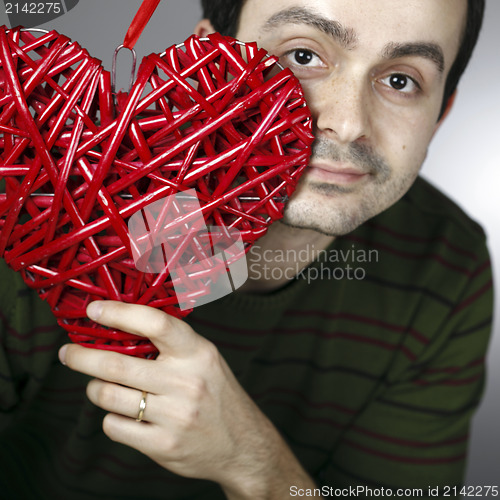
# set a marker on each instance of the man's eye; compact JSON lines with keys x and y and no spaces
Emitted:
{"x":303,"y":57}
{"x":402,"y":83}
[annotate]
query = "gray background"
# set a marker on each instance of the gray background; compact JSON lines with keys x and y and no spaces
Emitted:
{"x":463,"y":160}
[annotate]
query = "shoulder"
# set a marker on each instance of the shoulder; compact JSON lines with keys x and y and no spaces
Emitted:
{"x":433,"y":255}
{"x":432,"y":276}
{"x":438,"y":212}
{"x":426,"y":228}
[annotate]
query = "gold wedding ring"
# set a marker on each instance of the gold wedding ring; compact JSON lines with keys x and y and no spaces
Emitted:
{"x":142,"y":407}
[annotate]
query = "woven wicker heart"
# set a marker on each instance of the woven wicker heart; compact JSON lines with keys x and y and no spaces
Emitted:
{"x":212,"y":116}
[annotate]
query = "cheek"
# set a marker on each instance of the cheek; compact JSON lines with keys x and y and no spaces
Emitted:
{"x":404,"y":141}
{"x":317,"y":95}
{"x":409,"y":154}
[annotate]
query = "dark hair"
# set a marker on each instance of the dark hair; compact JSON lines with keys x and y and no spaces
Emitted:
{"x":224,"y":16}
{"x":475,"y":15}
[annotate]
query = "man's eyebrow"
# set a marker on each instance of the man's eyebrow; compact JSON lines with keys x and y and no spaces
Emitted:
{"x":430,"y":51}
{"x":298,"y":15}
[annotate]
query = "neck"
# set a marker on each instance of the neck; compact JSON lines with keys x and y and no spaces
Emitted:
{"x":280,"y":255}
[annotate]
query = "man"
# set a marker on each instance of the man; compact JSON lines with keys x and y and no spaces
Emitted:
{"x":293,"y":384}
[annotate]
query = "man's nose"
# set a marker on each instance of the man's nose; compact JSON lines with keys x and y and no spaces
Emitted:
{"x":341,"y":109}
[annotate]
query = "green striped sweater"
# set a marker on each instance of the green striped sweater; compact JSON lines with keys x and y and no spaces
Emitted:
{"x":370,"y":363}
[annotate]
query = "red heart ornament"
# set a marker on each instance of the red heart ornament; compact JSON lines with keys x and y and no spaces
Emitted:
{"x":210,"y":115}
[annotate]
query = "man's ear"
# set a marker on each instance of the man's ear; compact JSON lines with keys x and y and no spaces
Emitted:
{"x":446,"y":111}
{"x":203,"y":28}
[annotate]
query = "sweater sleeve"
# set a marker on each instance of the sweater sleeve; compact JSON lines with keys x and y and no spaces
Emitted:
{"x":29,"y":339}
{"x":414,"y":432}
{"x":9,"y":397}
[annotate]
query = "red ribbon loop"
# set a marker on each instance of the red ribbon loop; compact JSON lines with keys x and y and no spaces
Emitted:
{"x":139,"y":22}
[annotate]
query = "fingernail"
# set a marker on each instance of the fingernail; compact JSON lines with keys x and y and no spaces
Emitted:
{"x":62,"y":354}
{"x":94,"y":310}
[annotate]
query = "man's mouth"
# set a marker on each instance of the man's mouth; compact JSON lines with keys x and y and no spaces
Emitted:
{"x":336,"y":173}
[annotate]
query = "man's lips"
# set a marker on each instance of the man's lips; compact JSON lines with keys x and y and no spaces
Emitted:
{"x":336,"y":173}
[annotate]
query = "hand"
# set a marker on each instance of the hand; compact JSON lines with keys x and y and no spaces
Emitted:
{"x":198,"y":420}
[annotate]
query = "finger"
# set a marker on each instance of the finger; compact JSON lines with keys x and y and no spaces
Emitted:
{"x":112,"y":367}
{"x":121,"y":400}
{"x":168,"y":334}
{"x":142,"y":436}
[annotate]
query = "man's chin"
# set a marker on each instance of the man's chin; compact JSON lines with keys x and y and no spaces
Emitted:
{"x":329,"y":223}
{"x":329,"y":209}
{"x":305,"y":227}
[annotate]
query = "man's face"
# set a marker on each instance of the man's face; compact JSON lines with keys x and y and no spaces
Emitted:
{"x":373,"y":73}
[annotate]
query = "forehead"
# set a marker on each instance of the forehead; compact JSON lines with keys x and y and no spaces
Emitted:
{"x":371,"y":24}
